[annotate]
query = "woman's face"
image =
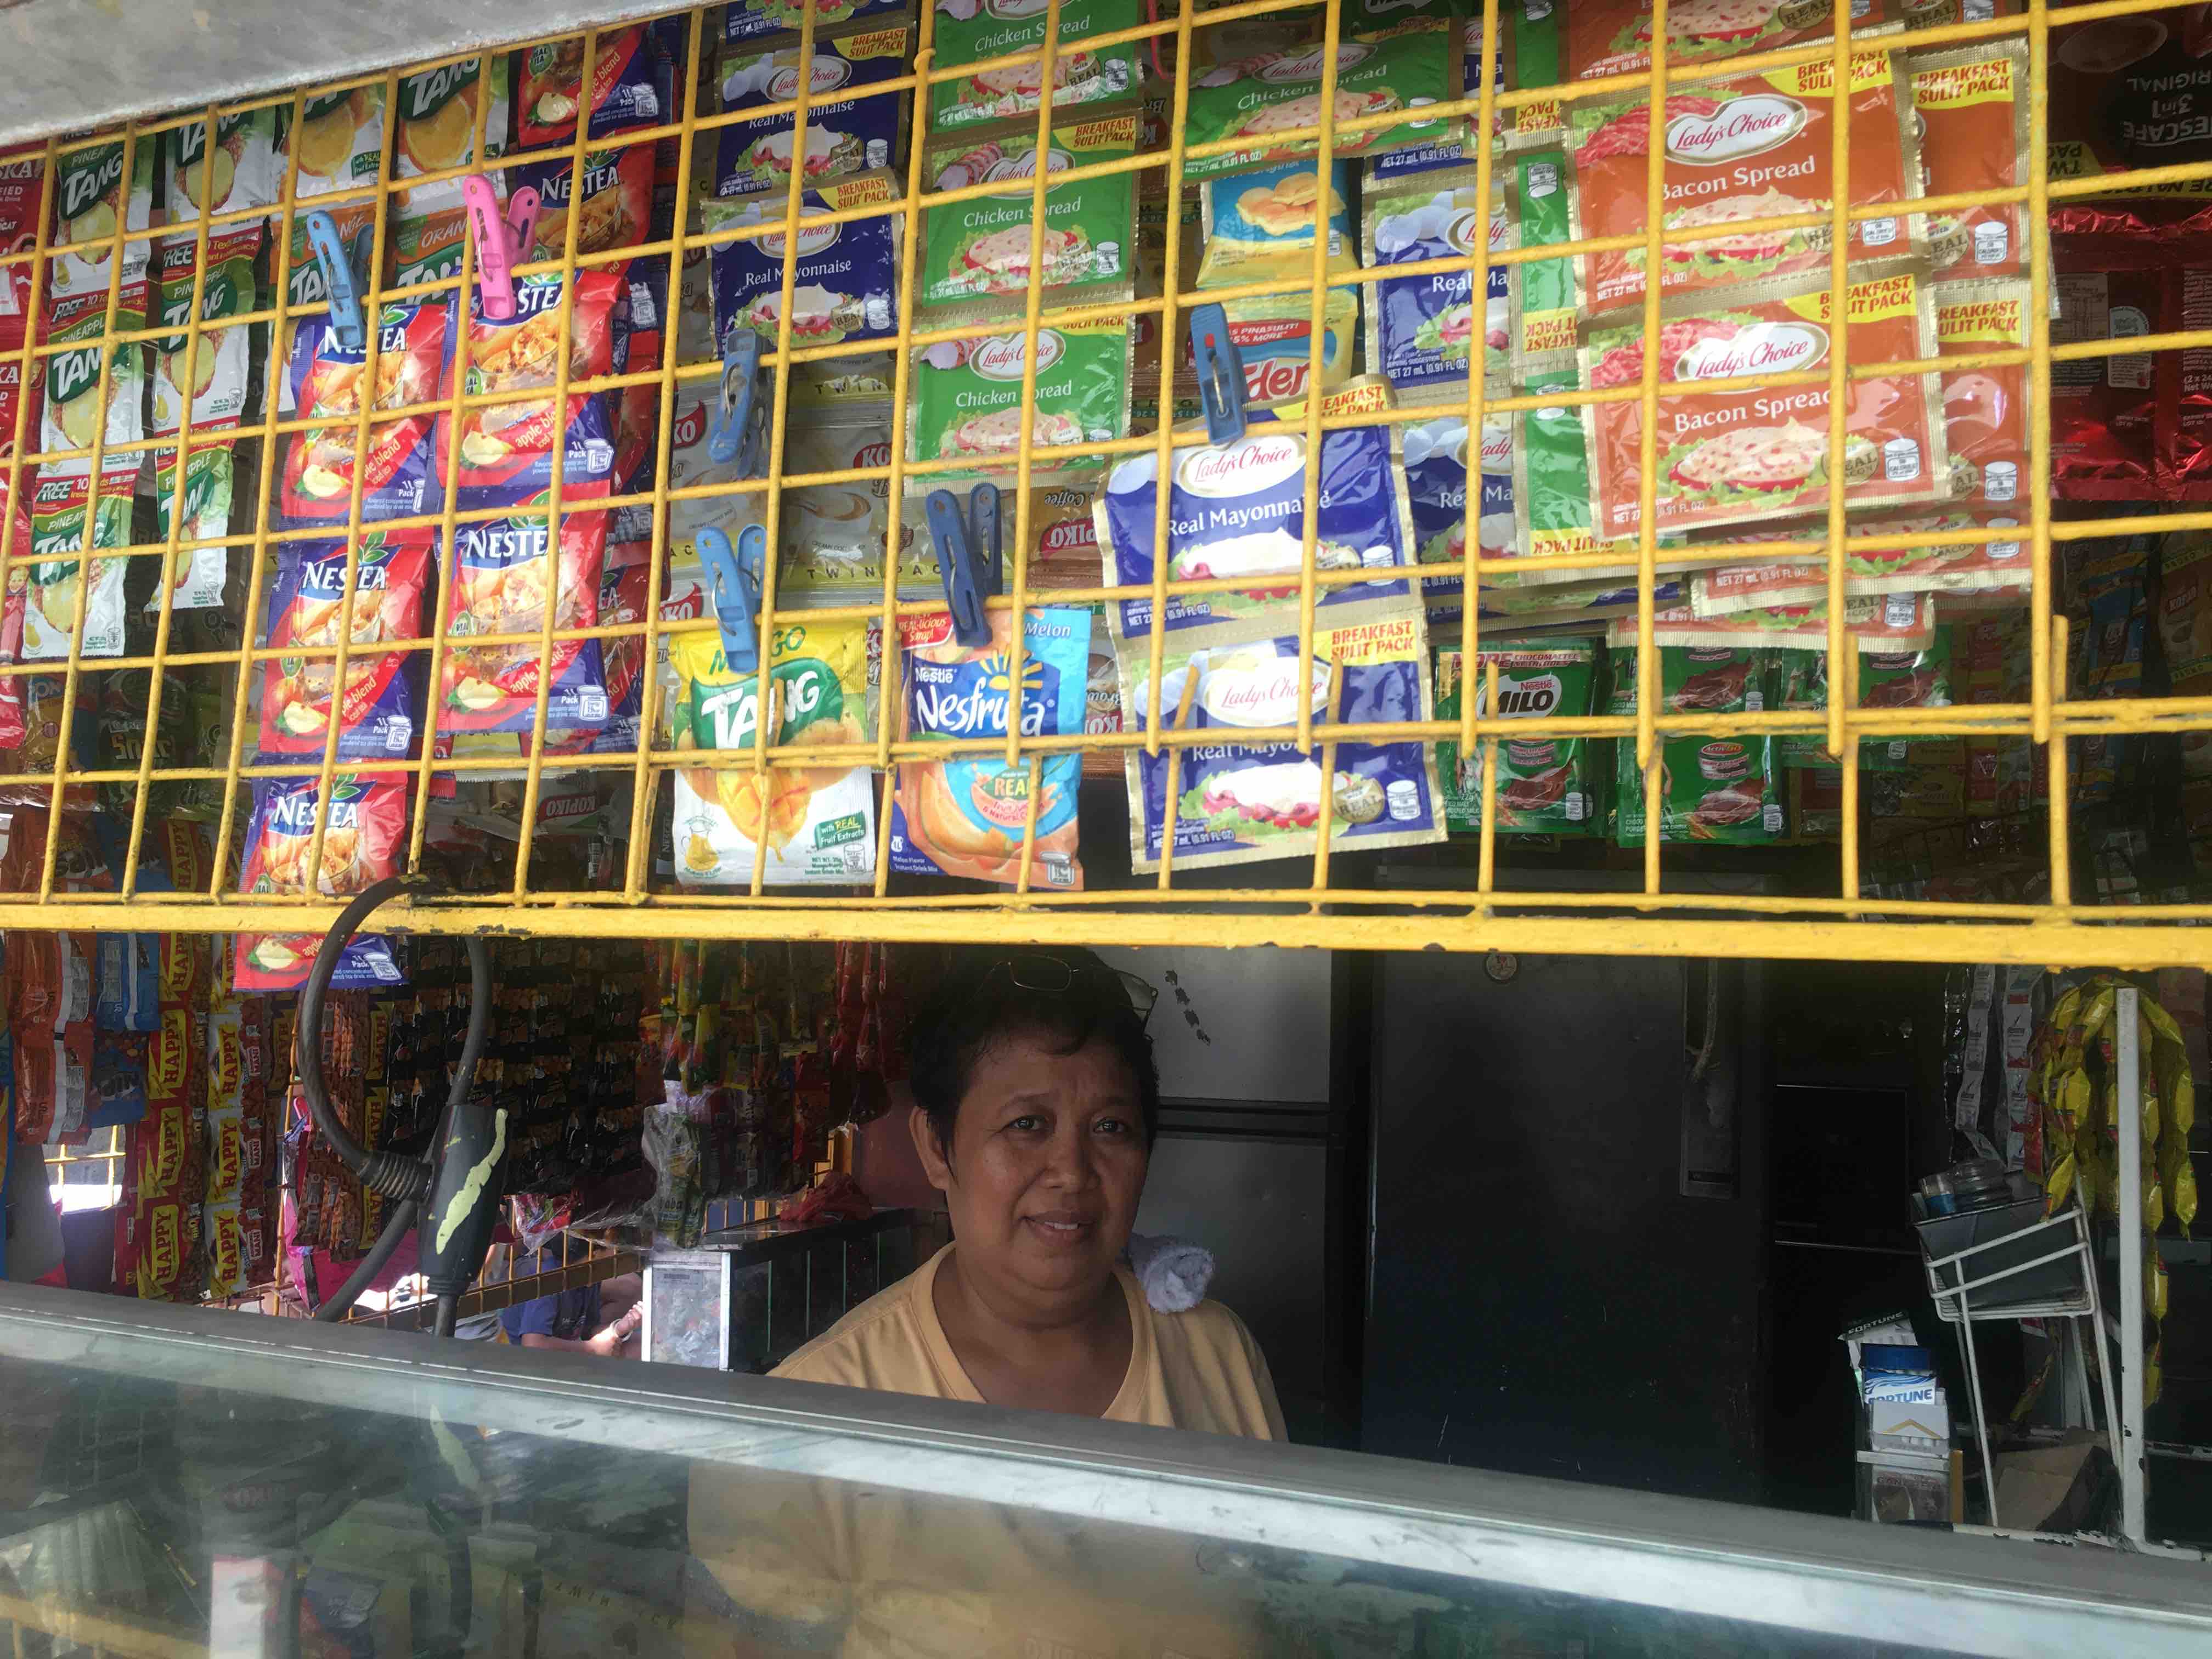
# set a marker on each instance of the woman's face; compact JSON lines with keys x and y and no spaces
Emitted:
{"x":1047,"y":1164}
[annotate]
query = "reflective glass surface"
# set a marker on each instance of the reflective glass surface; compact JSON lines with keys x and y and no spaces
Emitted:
{"x":393,"y":1495}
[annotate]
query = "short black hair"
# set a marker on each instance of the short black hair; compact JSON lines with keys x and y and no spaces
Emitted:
{"x":989,"y":993}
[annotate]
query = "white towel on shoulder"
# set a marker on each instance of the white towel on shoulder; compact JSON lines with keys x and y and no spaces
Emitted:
{"x":1174,"y":1271}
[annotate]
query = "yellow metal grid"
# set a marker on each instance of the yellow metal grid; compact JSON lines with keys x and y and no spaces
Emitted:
{"x":1320,"y":911}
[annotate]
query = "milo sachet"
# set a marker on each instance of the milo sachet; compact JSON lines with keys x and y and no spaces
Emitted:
{"x":1545,"y":786}
{"x":1711,"y":789}
{"x":1917,"y":677}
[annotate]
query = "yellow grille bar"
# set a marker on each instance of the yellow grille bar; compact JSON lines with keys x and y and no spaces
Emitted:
{"x":1331,"y":908}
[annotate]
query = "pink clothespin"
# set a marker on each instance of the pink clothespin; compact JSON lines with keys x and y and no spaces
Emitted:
{"x":501,"y":244}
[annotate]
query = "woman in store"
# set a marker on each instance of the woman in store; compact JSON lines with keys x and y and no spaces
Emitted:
{"x":1037,"y":1099}
{"x":1036,"y":1102}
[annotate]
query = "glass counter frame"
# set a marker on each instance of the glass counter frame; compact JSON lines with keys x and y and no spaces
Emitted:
{"x":1851,"y":1581}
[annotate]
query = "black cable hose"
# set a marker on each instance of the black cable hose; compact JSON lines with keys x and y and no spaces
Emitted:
{"x":479,"y":1027}
{"x":460,"y":1578}
{"x":341,"y":1303}
{"x":406,"y":1181}
{"x":390,"y":1174}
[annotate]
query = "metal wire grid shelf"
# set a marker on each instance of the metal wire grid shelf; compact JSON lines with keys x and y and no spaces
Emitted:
{"x":1317,"y":911}
{"x":1970,"y":1286}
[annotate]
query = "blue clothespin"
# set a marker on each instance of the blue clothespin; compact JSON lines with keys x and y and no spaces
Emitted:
{"x":341,"y":276}
{"x":1220,"y":374}
{"x":971,"y":558}
{"x":738,"y":576}
{"x":729,"y":433}
{"x":983,"y":535}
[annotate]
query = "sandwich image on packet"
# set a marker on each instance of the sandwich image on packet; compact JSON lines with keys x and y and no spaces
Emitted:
{"x":1545,"y":786}
{"x":1729,"y":458}
{"x":965,"y":815}
{"x":1873,"y":567}
{"x":1238,"y":510}
{"x":1422,"y":331}
{"x":817,"y":824}
{"x":844,"y":134}
{"x":1402,"y":67}
{"x":363,"y":843}
{"x":1259,"y":225}
{"x":975,"y":31}
{"x":846,"y":286}
{"x":1435,"y":455}
{"x":380,"y":710}
{"x":1551,"y":497}
{"x":1613,"y":37}
{"x":979,"y":245}
{"x":1239,"y":803}
{"x":1755,"y":147}
{"x":967,"y":394}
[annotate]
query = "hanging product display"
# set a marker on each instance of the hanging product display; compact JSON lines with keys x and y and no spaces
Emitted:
{"x":252,"y":419}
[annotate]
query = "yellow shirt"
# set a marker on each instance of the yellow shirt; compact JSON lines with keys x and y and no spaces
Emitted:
{"x":1199,"y":1370}
{"x":871,"y":1573}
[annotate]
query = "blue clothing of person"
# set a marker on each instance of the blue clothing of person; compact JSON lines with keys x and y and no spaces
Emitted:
{"x":573,"y":1316}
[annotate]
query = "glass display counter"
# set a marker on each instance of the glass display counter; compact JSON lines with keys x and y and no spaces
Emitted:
{"x":175,"y":1481}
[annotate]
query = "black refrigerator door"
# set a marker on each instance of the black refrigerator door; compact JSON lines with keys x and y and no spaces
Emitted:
{"x":1568,"y":1205}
